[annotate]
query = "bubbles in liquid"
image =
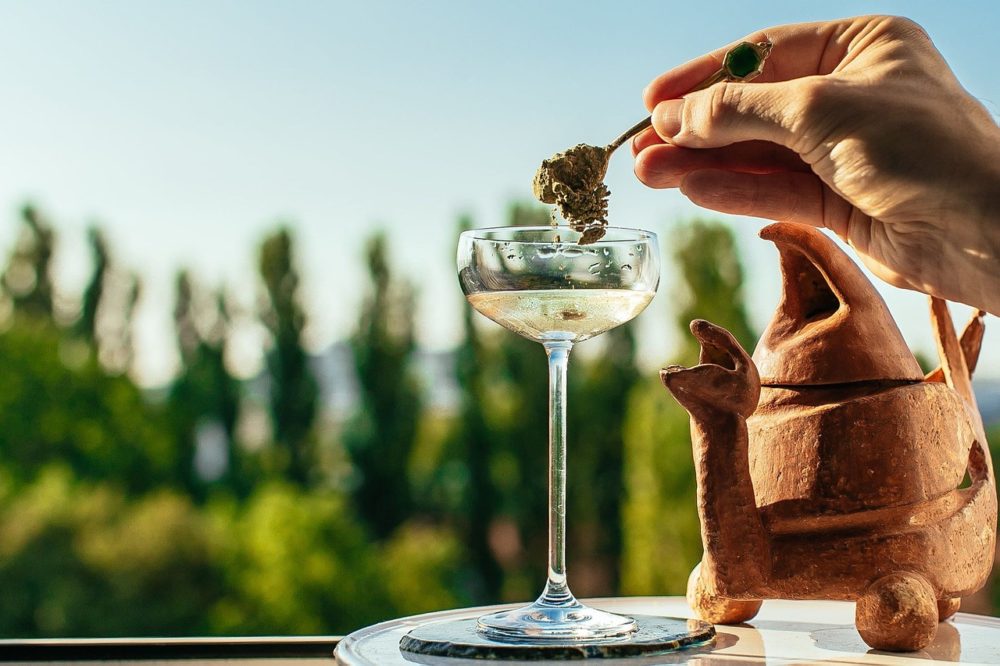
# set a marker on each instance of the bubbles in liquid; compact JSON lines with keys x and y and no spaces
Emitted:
{"x":595,"y":268}
{"x":572,"y":252}
{"x":626,"y":267}
{"x":546,"y":251}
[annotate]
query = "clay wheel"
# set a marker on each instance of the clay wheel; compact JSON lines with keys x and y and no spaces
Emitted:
{"x":898,"y":612}
{"x":715,"y":609}
{"x":948,"y":607}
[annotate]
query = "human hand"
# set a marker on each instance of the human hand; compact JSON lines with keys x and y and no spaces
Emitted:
{"x":855,"y":125}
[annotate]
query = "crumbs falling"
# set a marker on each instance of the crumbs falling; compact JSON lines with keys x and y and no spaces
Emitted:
{"x":574,"y":181}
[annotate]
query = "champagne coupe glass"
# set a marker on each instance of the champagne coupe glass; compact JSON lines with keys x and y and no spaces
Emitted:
{"x":539,"y":283}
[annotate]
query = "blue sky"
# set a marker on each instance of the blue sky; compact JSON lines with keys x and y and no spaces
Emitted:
{"x":189,"y":129}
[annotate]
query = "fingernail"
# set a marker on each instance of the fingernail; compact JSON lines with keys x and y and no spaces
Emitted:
{"x":667,"y":118}
{"x":638,"y":140}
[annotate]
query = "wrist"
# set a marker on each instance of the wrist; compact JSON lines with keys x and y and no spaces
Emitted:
{"x":971,"y":240}
{"x":989,"y":193}
{"x":988,"y":224}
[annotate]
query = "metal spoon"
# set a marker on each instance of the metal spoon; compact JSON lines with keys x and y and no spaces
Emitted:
{"x":744,"y":62}
{"x":573,"y":180}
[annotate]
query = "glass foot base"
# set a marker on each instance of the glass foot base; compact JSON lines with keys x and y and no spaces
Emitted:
{"x":542,"y":621}
{"x":461,"y":639}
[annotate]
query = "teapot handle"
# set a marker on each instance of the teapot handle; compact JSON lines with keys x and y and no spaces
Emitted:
{"x":958,"y":358}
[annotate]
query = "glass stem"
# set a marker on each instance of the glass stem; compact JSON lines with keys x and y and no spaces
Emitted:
{"x":556,"y":589}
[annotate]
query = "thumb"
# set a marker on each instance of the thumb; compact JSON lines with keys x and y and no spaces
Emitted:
{"x":728,"y":113}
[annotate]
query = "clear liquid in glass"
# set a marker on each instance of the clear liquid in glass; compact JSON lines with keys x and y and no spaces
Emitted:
{"x":561,"y":314}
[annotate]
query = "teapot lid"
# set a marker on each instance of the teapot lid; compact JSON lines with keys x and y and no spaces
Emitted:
{"x":832,"y":326}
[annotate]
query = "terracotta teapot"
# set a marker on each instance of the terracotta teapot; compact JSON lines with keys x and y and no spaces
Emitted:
{"x":828,"y":466}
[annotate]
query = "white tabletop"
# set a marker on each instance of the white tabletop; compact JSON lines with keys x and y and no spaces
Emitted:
{"x":784,"y":632}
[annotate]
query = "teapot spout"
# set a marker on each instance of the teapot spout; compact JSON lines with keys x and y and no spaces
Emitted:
{"x":725,"y":378}
{"x":719,"y":394}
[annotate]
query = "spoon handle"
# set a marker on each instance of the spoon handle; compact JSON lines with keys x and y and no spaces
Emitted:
{"x":725,"y":73}
{"x":629,"y":133}
{"x":720,"y":75}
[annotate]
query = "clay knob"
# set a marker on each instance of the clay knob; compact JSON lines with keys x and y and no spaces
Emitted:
{"x":898,"y":612}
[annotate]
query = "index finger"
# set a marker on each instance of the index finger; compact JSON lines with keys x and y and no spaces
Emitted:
{"x":800,"y":49}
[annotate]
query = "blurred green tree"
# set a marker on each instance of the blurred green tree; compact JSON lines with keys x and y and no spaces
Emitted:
{"x":117,"y":341}
{"x":58,"y":405}
{"x":204,"y":392}
{"x":662,"y":536}
{"x":94,"y":291}
{"x":57,"y":402}
{"x":295,"y":561}
{"x":421,"y":568}
{"x":469,"y":455}
{"x":80,"y":559}
{"x":299,"y":561}
{"x":107,"y":307}
{"x":597,"y":411}
{"x":711,"y":284}
{"x":379,"y":438}
{"x":293,"y":388}
{"x":27,"y":277}
{"x":517,"y":414}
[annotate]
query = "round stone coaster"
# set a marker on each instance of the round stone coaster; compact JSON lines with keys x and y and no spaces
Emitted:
{"x":459,"y":639}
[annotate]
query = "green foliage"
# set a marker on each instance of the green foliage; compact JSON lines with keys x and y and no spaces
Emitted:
{"x":469,"y":454}
{"x":295,"y":562}
{"x":421,"y":568}
{"x":380,"y":436}
{"x":711,"y":284}
{"x":926,"y":363}
{"x":660,"y":519}
{"x":98,"y":424}
{"x":300,"y":562}
{"x":515,"y":402}
{"x":293,"y":388}
{"x":94,"y":291}
{"x":598,"y":406}
{"x":663,"y":541}
{"x":528,"y":214}
{"x":28,"y":277}
{"x":107,"y":308}
{"x":204,"y":391}
{"x":82,"y":560}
